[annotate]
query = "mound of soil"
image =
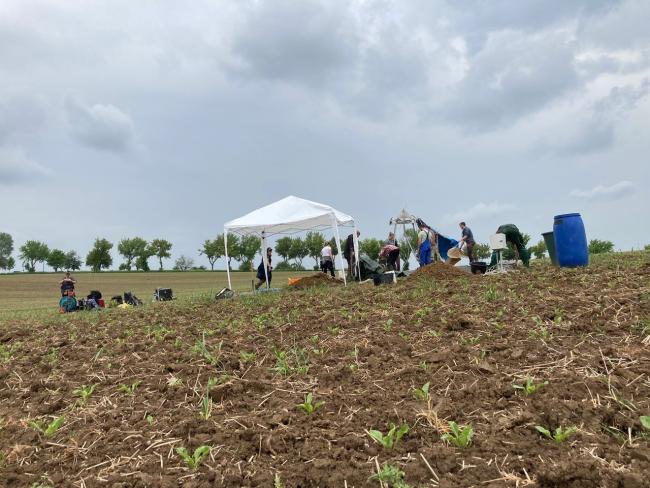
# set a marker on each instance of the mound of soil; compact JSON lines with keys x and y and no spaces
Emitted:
{"x":319,"y":279}
{"x":440,"y":271}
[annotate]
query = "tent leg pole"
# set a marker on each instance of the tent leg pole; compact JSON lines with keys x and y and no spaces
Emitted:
{"x":225,"y":245}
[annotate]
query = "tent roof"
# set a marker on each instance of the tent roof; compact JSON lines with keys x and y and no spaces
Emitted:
{"x":286,"y":216}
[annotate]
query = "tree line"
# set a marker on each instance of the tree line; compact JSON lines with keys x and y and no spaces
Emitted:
{"x":137,"y":252}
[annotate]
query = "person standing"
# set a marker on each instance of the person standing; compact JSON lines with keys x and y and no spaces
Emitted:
{"x":327,"y":259}
{"x":467,"y":238}
{"x":424,"y":244}
{"x":392,"y":241}
{"x":348,"y":252}
{"x":516,"y":240}
{"x":261,"y":276}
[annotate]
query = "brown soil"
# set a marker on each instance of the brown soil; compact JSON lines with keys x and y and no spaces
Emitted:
{"x":319,"y":279}
{"x":362,"y":351}
{"x":440,"y":271}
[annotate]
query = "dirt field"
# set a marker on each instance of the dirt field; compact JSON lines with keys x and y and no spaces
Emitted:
{"x":229,"y":375}
{"x":23,"y":291}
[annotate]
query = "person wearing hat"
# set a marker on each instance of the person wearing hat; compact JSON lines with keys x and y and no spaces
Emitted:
{"x":516,"y":240}
{"x":261,"y":276}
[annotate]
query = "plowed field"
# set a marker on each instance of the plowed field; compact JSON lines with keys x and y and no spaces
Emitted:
{"x":230,"y":374}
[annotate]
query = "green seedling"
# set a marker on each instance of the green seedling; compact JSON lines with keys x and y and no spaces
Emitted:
{"x":84,"y":393}
{"x":206,"y":401}
{"x":334,"y":331}
{"x":391,"y":475}
{"x":5,"y":353}
{"x":530,"y":386}
{"x":309,"y":406}
{"x":48,"y":430}
{"x":212,"y":357}
{"x":150,"y":419}
{"x":491,"y":294}
{"x":129,"y":389}
{"x":194,"y":460}
{"x":388,"y":325}
{"x":459,"y":437}
{"x":560,"y":435}
{"x":277,"y":481}
{"x":281,"y":363}
{"x":314,"y":339}
{"x":246,"y":357}
{"x":422,"y":393}
{"x":392,"y":437}
{"x":645,"y":422}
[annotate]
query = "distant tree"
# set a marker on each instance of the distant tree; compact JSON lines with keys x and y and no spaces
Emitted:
{"x":33,"y":252}
{"x":142,"y":259}
{"x":234,"y":248}
{"x":539,"y":249}
{"x":56,"y":259}
{"x":600,"y":247}
{"x":332,"y":243}
{"x":6,"y":248}
{"x":213,"y":250}
{"x":99,"y":256}
{"x":510,"y":252}
{"x":315,"y":241}
{"x":131,"y":249}
{"x":183,"y":263}
{"x":482,"y":251}
{"x":283,"y":247}
{"x":160,"y":248}
{"x":249,"y":246}
{"x":647,"y":248}
{"x":371,"y":247}
{"x":298,"y":251}
{"x":72,"y":261}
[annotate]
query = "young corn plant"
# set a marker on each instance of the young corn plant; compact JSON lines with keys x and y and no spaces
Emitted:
{"x":645,"y":425}
{"x":48,"y":430}
{"x":309,"y":406}
{"x":422,"y":393}
{"x":392,"y":437}
{"x":459,"y":437}
{"x":129,"y":389}
{"x":560,"y":435}
{"x":530,"y":386}
{"x":390,"y":475}
{"x":206,"y":401}
{"x":84,"y":393}
{"x":193,"y":460}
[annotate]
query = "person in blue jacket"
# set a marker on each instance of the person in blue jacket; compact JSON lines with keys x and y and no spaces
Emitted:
{"x":261,"y":276}
{"x":424,"y":244}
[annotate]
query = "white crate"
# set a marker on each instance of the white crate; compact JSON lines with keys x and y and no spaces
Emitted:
{"x":498,"y":242}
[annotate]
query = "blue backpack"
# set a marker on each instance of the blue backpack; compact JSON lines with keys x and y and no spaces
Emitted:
{"x":67,"y":304}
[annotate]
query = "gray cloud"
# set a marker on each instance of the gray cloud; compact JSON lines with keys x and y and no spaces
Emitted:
{"x":606,"y":193}
{"x":20,"y":115}
{"x":306,"y":41}
{"x":103,"y":127}
{"x":16,"y":168}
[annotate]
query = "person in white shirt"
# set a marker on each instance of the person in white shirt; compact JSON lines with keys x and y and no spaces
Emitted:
{"x":327,"y":260}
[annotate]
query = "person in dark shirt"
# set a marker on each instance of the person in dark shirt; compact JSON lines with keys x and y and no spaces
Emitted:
{"x":261,"y":276}
{"x":516,"y":240}
{"x":348,"y":252}
{"x":467,"y":237}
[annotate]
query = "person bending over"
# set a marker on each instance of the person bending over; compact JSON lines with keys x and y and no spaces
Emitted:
{"x":327,"y":259}
{"x":516,"y":240}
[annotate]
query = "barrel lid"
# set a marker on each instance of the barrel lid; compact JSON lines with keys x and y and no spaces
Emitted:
{"x":564,"y":216}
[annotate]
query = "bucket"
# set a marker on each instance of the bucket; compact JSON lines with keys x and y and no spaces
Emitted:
{"x":478,"y":267}
{"x":570,"y":241}
{"x":550,"y":246}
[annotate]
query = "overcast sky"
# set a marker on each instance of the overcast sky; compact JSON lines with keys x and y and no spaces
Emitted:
{"x":167,"y":119}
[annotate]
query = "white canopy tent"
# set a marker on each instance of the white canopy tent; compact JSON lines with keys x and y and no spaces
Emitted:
{"x":288,"y":216}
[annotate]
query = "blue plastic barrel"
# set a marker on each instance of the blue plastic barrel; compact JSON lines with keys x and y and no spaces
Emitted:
{"x":570,"y":241}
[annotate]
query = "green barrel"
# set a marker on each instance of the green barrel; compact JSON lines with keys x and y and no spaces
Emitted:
{"x":550,"y":246}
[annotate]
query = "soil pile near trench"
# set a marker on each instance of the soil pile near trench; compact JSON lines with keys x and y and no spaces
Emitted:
{"x":319,"y":279}
{"x":440,"y":271}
